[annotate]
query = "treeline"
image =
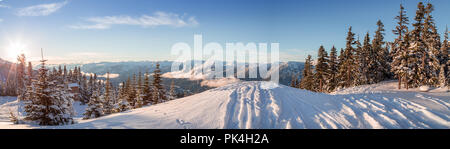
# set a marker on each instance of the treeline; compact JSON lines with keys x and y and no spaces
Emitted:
{"x":417,"y":57}
{"x":49,"y":95}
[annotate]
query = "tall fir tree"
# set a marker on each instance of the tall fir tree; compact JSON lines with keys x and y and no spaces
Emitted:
{"x":399,"y":50}
{"x":95,"y":106}
{"x":433,"y":44}
{"x":333,"y":63}
{"x":147,"y":90}
{"x":322,"y":70}
{"x":49,"y":103}
{"x":172,"y":95}
{"x":159,"y":93}
{"x":307,"y":81}
{"x":20,"y":76}
{"x":108,"y":96}
{"x":382,"y":54}
{"x":348,"y":66}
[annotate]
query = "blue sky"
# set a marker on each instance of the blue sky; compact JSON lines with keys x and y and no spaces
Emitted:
{"x":122,"y":30}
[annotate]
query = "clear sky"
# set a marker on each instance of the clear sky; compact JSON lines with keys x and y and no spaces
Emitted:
{"x":122,"y":30}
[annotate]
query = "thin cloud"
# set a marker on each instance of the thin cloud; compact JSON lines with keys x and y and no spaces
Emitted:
{"x":41,"y":10}
{"x":157,"y":19}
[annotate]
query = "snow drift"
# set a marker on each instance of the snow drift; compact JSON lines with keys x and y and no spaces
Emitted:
{"x":253,"y":105}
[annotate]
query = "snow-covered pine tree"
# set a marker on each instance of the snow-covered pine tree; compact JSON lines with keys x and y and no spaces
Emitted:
{"x":147,"y":90}
{"x":361,"y":79}
{"x":29,"y":74}
{"x":50,"y":103}
{"x":122,"y":103}
{"x":20,"y":76}
{"x":172,"y":94}
{"x":348,"y":68}
{"x":399,"y":47}
{"x":85,"y":93}
{"x":108,"y":96}
{"x":95,"y":106}
{"x":416,"y":50}
{"x":433,"y":44}
{"x":132,"y":91}
{"x":382,"y":55}
{"x":159,"y":93}
{"x":307,"y":81}
{"x":333,"y":63}
{"x":322,"y":70}
{"x":365,"y":59}
{"x":445,"y":50}
{"x":442,"y":78}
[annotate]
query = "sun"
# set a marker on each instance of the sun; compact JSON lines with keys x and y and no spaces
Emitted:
{"x":14,"y":49}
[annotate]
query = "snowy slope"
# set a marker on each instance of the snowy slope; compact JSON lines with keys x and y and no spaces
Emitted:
{"x":267,"y":105}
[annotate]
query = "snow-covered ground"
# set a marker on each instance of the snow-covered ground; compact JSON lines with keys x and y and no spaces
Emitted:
{"x":268,"y":105}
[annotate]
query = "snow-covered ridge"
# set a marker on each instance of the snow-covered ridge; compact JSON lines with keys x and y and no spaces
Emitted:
{"x":268,"y":105}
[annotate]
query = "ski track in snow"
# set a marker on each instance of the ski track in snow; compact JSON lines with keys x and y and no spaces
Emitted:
{"x":255,"y":105}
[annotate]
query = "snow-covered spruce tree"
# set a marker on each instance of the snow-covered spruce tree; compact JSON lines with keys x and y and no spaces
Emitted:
{"x":445,"y":50}
{"x":95,"y":106}
{"x":442,"y":78}
{"x":382,"y":54}
{"x":109,"y":101}
{"x":30,"y":76}
{"x":433,"y":45}
{"x":20,"y":75}
{"x":333,"y":63}
{"x":50,"y":103}
{"x":348,"y":69}
{"x":358,"y":61}
{"x":399,"y":48}
{"x":366,"y":58}
{"x":85,"y":92}
{"x":159,"y":93}
{"x":421,"y":61}
{"x":172,"y":94}
{"x":322,"y":70}
{"x":307,"y":81}
{"x":122,"y":103}
{"x":131,"y":90}
{"x":147,"y":90}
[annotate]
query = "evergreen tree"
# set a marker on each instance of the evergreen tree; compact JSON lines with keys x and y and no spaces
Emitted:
{"x":348,"y":68}
{"x":20,"y":76}
{"x":132,"y":91}
{"x":322,"y":70}
{"x":95,"y":106}
{"x":399,"y":52}
{"x":122,"y":103}
{"x":421,"y":61}
{"x":172,"y":94}
{"x":433,"y":45}
{"x":382,"y":55}
{"x":159,"y":93}
{"x":361,"y":79}
{"x":333,"y":63}
{"x":307,"y":81}
{"x":50,"y":103}
{"x":147,"y":90}
{"x":109,"y":101}
{"x":30,"y":74}
{"x":366,"y":58}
